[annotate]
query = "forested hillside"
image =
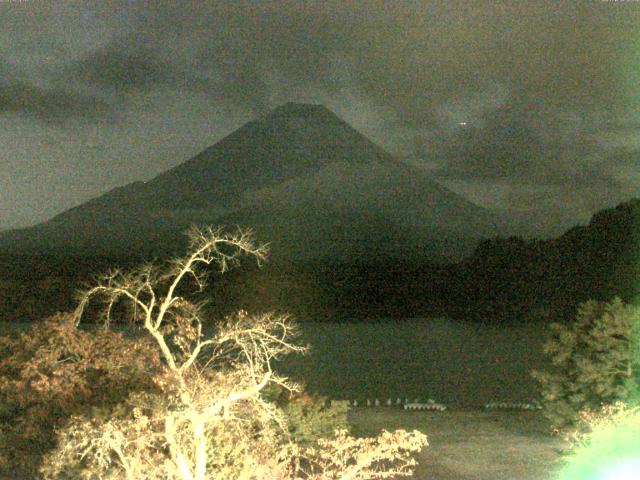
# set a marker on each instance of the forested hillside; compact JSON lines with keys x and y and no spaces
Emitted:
{"x":518,"y":278}
{"x":506,"y":279}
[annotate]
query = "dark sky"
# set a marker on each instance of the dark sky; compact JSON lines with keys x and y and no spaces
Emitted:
{"x":531,"y":107}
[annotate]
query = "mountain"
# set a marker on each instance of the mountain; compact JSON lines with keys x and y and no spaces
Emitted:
{"x":304,"y":179}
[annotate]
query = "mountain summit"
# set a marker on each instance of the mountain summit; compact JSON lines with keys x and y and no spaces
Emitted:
{"x":303,"y":178}
{"x":292,"y":140}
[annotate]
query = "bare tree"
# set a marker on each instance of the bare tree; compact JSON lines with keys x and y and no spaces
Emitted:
{"x":210,"y":386}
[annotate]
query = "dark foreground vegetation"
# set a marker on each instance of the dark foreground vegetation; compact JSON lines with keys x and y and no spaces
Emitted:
{"x":505,"y":280}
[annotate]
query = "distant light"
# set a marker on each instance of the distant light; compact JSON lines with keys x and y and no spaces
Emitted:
{"x":462,"y":124}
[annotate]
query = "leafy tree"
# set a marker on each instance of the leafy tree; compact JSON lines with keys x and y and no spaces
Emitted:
{"x":309,"y":417}
{"x":595,"y":361}
{"x":209,"y":417}
{"x":53,"y":371}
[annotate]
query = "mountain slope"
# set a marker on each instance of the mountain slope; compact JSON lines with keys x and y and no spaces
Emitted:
{"x":301,"y":176}
{"x":343,"y":209}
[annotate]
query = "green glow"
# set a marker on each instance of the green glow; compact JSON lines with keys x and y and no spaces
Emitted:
{"x":610,"y":451}
{"x":624,"y":470}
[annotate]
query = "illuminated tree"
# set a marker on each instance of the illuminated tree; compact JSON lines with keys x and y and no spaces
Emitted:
{"x":595,"y":361}
{"x":210,"y":419}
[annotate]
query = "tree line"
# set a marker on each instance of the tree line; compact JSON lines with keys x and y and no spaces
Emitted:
{"x":504,"y":280}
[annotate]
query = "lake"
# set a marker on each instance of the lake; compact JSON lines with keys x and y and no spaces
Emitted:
{"x":458,"y":363}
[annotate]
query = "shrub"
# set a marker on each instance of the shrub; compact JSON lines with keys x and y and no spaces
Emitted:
{"x":53,"y":371}
{"x":310,"y":417}
{"x":386,"y":456}
{"x":595,"y":361}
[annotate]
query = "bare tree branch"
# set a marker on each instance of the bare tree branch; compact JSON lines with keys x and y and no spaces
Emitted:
{"x":209,"y":384}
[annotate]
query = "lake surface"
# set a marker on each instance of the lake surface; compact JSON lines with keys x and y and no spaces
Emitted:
{"x":453,"y":362}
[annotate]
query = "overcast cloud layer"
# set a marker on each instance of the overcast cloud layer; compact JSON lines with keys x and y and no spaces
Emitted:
{"x":531,"y":107}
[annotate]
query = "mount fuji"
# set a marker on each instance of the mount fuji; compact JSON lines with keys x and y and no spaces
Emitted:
{"x":301,"y":177}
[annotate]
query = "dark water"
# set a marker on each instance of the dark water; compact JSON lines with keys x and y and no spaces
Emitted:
{"x":453,"y":362}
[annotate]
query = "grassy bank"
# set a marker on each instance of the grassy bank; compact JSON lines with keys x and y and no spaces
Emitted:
{"x":471,"y":444}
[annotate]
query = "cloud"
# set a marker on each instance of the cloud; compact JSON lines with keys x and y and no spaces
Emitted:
{"x":420,"y":59}
{"x":20,"y":96}
{"x":518,"y":93}
{"x":525,"y":147}
{"x":120,"y":70}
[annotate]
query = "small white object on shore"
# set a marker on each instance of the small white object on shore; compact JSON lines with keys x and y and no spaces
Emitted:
{"x":512,"y":406}
{"x":426,"y":406}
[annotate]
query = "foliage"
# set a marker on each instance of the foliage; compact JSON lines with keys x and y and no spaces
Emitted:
{"x":383,"y":457}
{"x":595,"y":361}
{"x":605,"y":445}
{"x":209,"y":417}
{"x":310,"y":417}
{"x":52,"y":371}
